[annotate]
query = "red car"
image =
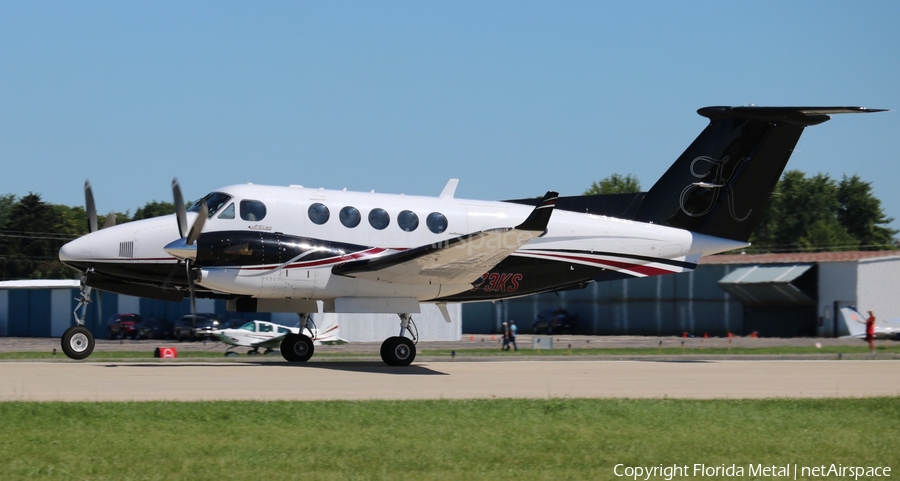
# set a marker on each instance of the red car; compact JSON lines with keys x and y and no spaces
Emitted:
{"x":123,"y":325}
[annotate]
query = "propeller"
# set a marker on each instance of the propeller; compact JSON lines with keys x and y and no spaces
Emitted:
{"x":180,"y":210}
{"x":90,"y":207}
{"x":185,"y":248}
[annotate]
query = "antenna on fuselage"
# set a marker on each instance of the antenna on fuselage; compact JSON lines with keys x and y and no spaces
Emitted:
{"x":449,"y":189}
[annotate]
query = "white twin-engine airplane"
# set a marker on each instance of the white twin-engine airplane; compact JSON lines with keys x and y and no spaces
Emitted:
{"x":285,"y":249}
{"x":268,"y":335}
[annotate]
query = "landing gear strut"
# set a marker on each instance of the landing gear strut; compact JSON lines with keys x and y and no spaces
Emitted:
{"x":400,"y":350}
{"x":298,"y":347}
{"x":78,"y":342}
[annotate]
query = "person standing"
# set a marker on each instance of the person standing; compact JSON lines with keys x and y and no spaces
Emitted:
{"x":505,"y":346}
{"x":513,"y":330}
{"x":870,"y":331}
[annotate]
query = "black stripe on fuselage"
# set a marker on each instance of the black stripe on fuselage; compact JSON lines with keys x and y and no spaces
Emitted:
{"x":245,"y":249}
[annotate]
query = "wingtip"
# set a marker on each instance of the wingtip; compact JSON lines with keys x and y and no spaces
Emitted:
{"x":540,"y":216}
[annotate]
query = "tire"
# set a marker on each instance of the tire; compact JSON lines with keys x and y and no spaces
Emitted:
{"x":398,"y":351}
{"x":297,"y":348}
{"x":77,"y":342}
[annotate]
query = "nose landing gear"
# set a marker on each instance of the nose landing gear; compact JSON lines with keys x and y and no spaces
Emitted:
{"x":78,"y":342}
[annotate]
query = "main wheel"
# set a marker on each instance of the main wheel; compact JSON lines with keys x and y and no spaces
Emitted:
{"x":398,"y":351}
{"x":297,"y":348}
{"x":77,"y":342}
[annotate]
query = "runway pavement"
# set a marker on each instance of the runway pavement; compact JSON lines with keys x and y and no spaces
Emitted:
{"x":276,"y":380}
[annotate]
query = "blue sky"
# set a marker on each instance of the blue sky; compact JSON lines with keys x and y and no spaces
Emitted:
{"x":512,"y":98}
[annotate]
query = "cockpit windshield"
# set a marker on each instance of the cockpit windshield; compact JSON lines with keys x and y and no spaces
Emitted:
{"x":214,"y":202}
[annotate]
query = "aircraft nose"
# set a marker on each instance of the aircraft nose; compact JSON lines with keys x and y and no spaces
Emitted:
{"x":77,"y":249}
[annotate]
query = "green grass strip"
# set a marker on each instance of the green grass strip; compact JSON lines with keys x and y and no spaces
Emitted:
{"x":569,"y":439}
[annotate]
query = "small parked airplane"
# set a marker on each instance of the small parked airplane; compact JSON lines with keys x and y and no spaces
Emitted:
{"x":287,"y":249}
{"x":268,"y":335}
{"x":856,"y":325}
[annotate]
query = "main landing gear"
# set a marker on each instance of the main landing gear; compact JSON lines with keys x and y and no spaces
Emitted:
{"x":395,"y":351}
{"x":77,"y":341}
{"x":298,"y":347}
{"x":400,"y":350}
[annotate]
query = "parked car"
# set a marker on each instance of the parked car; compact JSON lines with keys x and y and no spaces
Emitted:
{"x":556,"y":321}
{"x":154,"y":329}
{"x":189,"y":328}
{"x":123,"y":325}
{"x":232,"y":324}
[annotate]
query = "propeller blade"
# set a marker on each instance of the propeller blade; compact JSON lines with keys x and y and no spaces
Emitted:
{"x":190,"y":280}
{"x":180,"y":211}
{"x":89,"y":207}
{"x":110,"y":220}
{"x":197,"y":228}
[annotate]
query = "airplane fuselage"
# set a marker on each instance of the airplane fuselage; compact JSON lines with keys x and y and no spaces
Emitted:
{"x":270,"y":242}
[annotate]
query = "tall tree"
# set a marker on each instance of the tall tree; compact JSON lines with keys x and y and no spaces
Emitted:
{"x":6,"y":203}
{"x":860,"y":213}
{"x":818,"y":214}
{"x":615,"y":184}
{"x":31,"y":237}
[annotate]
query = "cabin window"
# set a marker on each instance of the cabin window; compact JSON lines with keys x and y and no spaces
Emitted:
{"x":253,"y":210}
{"x":318,"y":213}
{"x":350,"y":217}
{"x":436,"y":222}
{"x":408,"y":220}
{"x":379,"y":218}
{"x":228,"y":213}
{"x":283,"y":330}
{"x":214,"y":201}
{"x":265,"y":327}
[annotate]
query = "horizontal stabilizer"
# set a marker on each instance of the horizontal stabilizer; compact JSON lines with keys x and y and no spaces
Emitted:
{"x":721,"y":184}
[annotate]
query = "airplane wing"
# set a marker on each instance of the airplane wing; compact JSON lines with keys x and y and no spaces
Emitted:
{"x":459,"y":260}
{"x":272,"y":343}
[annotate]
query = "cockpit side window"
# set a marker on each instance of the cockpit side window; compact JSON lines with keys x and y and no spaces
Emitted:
{"x":214,"y":202}
{"x":253,"y":210}
{"x":228,"y":213}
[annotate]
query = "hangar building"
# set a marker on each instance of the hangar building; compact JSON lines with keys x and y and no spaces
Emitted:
{"x":775,"y":295}
{"x":43,"y":308}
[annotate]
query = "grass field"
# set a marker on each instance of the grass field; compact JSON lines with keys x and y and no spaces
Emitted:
{"x":435,"y":440}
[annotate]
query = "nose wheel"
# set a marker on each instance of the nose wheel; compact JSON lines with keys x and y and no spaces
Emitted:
{"x":77,"y":342}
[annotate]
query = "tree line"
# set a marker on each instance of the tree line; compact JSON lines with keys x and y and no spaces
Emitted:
{"x":32,"y":232}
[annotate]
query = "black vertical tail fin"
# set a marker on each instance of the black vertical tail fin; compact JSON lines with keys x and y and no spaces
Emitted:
{"x":721,"y":183}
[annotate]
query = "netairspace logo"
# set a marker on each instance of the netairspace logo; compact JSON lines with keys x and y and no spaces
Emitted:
{"x":783,"y":471}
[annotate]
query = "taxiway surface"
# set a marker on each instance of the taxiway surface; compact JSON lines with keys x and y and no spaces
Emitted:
{"x":180,"y":381}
